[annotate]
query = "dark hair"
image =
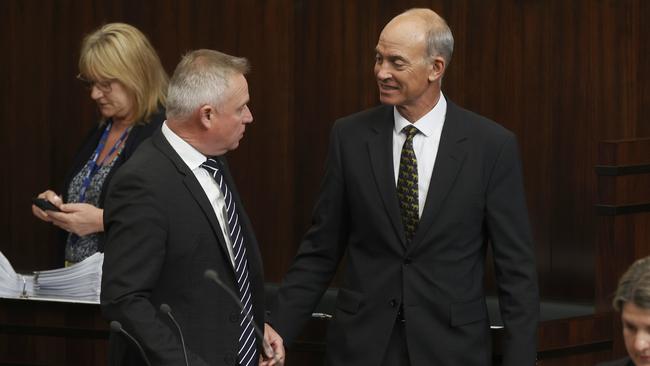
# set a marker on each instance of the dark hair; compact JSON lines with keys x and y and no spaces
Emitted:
{"x":634,"y":286}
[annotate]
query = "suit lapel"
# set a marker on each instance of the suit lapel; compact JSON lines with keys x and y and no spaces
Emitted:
{"x":449,"y":160}
{"x":194,"y":188}
{"x":380,"y":150}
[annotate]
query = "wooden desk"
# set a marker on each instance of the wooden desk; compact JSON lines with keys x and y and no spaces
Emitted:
{"x":574,"y":341}
{"x":34,"y":332}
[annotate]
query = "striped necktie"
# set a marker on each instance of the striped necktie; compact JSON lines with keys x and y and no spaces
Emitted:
{"x":247,"y":354}
{"x":407,"y":185}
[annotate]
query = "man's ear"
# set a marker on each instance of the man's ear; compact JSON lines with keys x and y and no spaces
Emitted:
{"x":207,"y":115}
{"x":438,"y":66}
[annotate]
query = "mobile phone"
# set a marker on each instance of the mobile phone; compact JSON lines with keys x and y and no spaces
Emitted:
{"x":44,"y":204}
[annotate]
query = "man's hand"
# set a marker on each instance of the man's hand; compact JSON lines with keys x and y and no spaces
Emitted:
{"x":274,"y":355}
{"x":79,"y":218}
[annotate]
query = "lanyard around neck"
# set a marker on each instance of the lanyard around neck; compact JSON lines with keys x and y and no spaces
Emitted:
{"x":93,"y":161}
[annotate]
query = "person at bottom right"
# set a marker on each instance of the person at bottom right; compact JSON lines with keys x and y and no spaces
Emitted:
{"x":632,"y":300}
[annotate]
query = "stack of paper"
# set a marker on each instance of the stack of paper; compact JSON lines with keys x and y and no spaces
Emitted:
{"x":13,"y":284}
{"x":81,"y":281}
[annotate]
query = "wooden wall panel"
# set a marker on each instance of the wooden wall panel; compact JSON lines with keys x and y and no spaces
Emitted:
{"x":334,"y":54}
{"x":623,"y":183}
{"x":562,"y":75}
{"x":543,"y":74}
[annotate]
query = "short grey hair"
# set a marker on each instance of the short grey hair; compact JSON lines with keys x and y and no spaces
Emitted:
{"x":200,"y":78}
{"x":634,"y":286}
{"x":440,"y":41}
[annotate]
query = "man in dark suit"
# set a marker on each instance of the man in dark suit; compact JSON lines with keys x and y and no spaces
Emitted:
{"x":172,"y":213}
{"x":412,"y":192}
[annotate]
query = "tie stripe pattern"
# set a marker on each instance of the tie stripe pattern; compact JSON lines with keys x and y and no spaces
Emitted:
{"x":247,"y":354}
{"x":407,"y":184}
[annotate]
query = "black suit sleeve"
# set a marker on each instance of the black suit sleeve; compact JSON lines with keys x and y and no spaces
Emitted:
{"x":510,"y":235}
{"x":134,"y":255}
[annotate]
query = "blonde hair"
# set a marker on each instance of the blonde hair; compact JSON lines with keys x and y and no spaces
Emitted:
{"x":120,"y":51}
{"x":634,"y":286}
{"x":201,"y":78}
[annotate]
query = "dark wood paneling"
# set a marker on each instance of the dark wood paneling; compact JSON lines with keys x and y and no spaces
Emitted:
{"x":52,"y":333}
{"x":631,"y":151}
{"x":577,"y":341}
{"x":624,"y":233}
{"x":623,"y":206}
{"x":562,"y":75}
{"x":75,"y":334}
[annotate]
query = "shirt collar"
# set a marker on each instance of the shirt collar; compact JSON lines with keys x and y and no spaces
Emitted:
{"x":429,"y":123}
{"x":191,"y":156}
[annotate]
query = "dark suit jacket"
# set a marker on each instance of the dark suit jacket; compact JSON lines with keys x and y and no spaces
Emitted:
{"x":622,"y":362}
{"x":162,"y":234}
{"x":138,"y":133}
{"x":475,"y":193}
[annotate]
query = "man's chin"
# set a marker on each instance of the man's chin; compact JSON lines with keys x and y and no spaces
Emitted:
{"x":388,"y":100}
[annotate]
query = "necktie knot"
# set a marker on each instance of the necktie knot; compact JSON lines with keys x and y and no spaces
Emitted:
{"x":211,"y":164}
{"x":410,"y":131}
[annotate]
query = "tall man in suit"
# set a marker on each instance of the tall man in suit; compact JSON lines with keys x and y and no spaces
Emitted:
{"x":412,"y":191}
{"x":172,"y":213}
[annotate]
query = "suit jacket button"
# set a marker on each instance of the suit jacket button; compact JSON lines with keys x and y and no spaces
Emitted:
{"x":234,"y":317}
{"x":230,"y":359}
{"x":408,"y":260}
{"x":393,"y":303}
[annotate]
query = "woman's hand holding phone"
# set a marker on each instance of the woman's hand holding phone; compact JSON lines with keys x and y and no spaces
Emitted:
{"x":46,"y":201}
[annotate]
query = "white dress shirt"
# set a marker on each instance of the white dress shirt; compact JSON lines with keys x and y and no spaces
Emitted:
{"x":193,"y":159}
{"x":425,"y":145}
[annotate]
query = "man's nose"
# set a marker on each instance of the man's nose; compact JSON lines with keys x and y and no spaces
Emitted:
{"x":382,"y":72}
{"x":642,"y":341}
{"x":248,"y":117}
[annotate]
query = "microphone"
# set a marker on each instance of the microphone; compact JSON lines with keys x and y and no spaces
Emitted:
{"x":165,"y":309}
{"x":213,"y":276}
{"x":117,"y":328}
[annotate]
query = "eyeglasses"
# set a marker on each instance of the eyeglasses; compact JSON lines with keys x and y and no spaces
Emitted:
{"x":103,"y":86}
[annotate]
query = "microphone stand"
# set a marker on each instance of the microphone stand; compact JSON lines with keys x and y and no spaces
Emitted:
{"x":166,"y":309}
{"x":213,"y":276}
{"x":117,"y":328}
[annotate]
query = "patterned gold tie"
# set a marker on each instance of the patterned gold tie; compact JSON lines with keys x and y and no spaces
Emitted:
{"x":407,"y":184}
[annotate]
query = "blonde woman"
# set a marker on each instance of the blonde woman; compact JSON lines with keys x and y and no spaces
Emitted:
{"x":125,"y":78}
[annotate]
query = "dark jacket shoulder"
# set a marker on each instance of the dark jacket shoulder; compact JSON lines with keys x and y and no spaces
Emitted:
{"x":462,"y":121}
{"x":369,"y":118}
{"x":474,"y":124}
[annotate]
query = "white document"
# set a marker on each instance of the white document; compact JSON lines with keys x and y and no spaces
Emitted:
{"x":79,"y":282}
